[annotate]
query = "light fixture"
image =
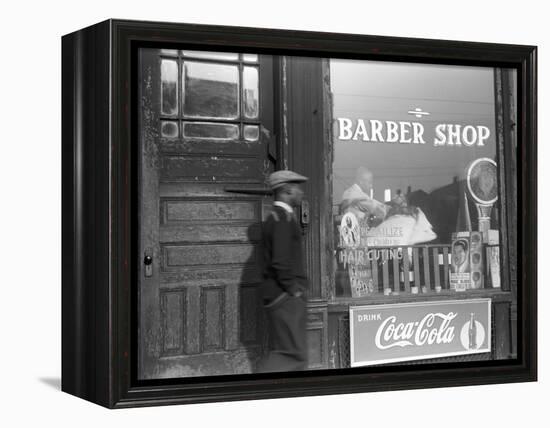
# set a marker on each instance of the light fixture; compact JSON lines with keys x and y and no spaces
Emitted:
{"x":418,"y":112}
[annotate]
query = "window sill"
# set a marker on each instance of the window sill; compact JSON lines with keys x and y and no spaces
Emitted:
{"x":339,"y":304}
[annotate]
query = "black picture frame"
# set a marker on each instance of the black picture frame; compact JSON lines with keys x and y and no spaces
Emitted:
{"x":98,"y":205}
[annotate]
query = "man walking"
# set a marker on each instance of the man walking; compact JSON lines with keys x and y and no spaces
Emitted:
{"x":284,"y":281}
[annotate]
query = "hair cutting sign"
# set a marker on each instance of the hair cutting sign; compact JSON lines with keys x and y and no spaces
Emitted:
{"x":404,"y":132}
{"x":413,"y":331}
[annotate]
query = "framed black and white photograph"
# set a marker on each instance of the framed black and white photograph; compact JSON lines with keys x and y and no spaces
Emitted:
{"x":263,"y":213}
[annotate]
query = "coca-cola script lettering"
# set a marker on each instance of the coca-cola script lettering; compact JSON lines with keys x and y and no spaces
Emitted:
{"x":434,"y":328}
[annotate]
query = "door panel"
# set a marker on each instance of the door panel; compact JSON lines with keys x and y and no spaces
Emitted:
{"x":199,"y":306}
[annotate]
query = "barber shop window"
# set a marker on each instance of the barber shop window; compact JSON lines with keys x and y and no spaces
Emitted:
{"x":209,"y":95}
{"x":415,"y":203}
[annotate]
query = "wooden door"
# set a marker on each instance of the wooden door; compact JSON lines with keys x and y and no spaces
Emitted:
{"x":205,"y":121}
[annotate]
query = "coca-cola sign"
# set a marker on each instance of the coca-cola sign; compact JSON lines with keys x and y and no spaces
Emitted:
{"x":416,"y":331}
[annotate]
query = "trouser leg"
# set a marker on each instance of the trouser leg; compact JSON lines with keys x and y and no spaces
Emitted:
{"x":287,"y":330}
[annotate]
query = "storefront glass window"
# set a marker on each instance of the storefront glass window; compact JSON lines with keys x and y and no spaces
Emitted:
{"x":211,"y":90}
{"x":169,"y":129}
{"x":209,"y":95}
{"x":210,"y":130}
{"x":170,"y":52}
{"x":251,"y":132}
{"x":169,"y":93}
{"x":222,"y":56}
{"x":406,"y":139}
{"x":250,"y":92}
{"x":250,"y":58}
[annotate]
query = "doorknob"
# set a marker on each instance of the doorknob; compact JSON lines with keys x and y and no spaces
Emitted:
{"x":148,"y":262}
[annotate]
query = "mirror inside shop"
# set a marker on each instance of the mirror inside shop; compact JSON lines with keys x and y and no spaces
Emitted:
{"x":415,"y":204}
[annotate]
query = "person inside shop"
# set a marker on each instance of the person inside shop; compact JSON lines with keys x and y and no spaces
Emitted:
{"x":396,"y":213}
{"x":284,"y":280}
{"x":358,"y":198}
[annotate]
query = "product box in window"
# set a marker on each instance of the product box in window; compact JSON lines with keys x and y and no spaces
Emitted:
{"x":493,"y":258}
{"x":466,"y":261}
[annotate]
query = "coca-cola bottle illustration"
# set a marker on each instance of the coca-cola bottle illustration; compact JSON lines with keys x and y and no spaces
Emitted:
{"x":472,"y":333}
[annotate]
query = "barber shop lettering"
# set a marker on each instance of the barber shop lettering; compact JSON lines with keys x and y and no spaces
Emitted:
{"x":403,"y":132}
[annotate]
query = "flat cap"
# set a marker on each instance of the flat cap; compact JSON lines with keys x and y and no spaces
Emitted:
{"x":278,"y":178}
